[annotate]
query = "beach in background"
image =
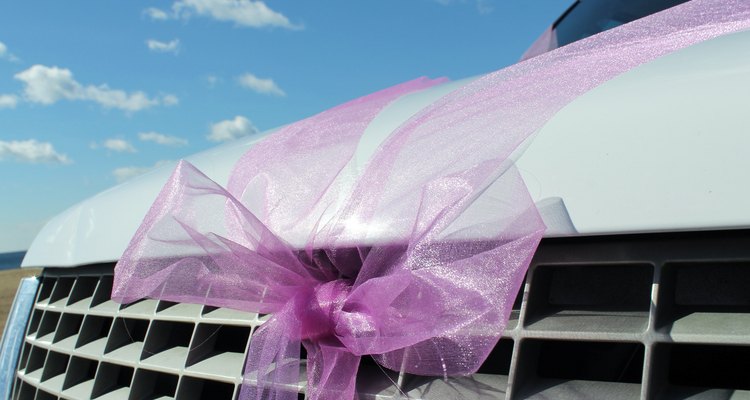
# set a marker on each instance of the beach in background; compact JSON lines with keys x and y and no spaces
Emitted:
{"x":10,"y":275}
{"x":8,"y":284}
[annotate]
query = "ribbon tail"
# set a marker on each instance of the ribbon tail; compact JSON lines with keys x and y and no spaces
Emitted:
{"x":331,"y":372}
{"x":272,"y":369}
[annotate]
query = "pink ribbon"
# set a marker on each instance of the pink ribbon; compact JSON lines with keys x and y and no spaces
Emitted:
{"x":461,"y":228}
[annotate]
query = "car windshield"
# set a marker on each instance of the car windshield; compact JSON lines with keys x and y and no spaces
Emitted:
{"x":589,"y":17}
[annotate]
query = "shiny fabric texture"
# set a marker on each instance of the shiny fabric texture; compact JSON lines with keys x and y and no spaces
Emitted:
{"x":460,"y":228}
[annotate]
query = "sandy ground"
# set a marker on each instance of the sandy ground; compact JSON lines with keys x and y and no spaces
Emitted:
{"x":8,"y":284}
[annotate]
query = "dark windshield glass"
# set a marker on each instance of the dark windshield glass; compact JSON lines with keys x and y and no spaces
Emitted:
{"x":589,"y":17}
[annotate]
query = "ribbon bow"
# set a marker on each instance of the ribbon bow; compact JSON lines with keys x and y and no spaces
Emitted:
{"x":417,"y":259}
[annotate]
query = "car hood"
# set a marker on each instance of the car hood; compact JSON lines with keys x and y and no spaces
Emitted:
{"x":659,"y":148}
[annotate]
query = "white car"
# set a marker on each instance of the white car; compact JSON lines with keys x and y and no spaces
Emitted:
{"x":640,"y":288}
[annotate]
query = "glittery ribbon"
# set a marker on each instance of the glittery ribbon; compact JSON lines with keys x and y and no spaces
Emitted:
{"x":415,"y":260}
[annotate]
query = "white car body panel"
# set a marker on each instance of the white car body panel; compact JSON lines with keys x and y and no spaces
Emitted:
{"x":659,"y":148}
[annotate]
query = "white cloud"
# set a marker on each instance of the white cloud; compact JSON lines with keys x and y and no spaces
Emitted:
{"x":248,"y":13}
{"x":31,"y":151}
{"x":156,"y":14}
{"x":231,"y":129}
{"x":170,"y":100}
{"x":8,"y":101}
{"x":173,"y":46}
{"x":485,"y":6}
{"x":125,"y":173}
{"x":162,"y":139}
{"x":4,"y":53}
{"x":119,"y":145}
{"x":212,"y":80}
{"x":260,"y":85}
{"x":48,"y":85}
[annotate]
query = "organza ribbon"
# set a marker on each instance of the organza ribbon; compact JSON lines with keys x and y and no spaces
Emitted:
{"x":416,"y":260}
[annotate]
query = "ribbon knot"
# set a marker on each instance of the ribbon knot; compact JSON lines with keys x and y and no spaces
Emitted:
{"x":318,"y":312}
{"x":314,"y":318}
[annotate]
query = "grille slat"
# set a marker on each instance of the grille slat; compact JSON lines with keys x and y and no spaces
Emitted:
{"x":619,"y":317}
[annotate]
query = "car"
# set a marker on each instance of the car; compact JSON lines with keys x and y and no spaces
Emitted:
{"x":638,"y":289}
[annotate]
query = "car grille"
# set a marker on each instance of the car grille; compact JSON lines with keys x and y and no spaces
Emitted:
{"x":615,"y":317}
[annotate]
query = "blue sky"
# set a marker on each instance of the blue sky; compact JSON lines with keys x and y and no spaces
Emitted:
{"x":94,"y":92}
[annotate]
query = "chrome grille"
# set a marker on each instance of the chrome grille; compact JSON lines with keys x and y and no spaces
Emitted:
{"x":618,"y":317}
